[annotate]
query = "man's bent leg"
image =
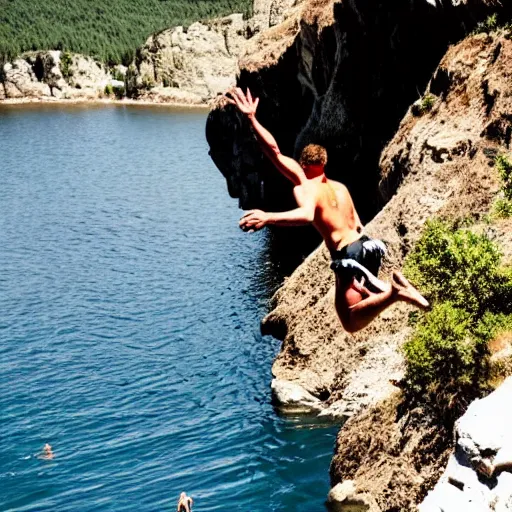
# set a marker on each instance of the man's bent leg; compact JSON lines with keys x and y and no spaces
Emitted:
{"x":357,"y":306}
{"x":357,"y":314}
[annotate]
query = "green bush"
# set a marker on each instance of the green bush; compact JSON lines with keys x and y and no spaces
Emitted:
{"x":117,"y":75}
{"x":449,"y":349}
{"x":426,"y":104}
{"x":502,"y":208}
{"x":504,"y":167}
{"x":109,"y":90}
{"x":490,"y":24}
{"x":461,"y":273}
{"x":456,"y":266}
{"x":65,"y":64}
{"x":440,"y":348}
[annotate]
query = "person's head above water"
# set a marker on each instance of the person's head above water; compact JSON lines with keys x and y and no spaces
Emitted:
{"x":313,"y":159}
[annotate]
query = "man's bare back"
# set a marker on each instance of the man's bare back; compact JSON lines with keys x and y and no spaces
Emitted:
{"x":335,"y":216}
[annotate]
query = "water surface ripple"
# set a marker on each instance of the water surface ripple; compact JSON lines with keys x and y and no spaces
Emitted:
{"x":129,"y":325}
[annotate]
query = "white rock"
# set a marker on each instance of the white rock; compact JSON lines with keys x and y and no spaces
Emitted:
{"x":477,"y":476}
{"x":294,"y":397}
{"x":203,"y":60}
{"x":344,"y":497}
{"x":40,"y":74}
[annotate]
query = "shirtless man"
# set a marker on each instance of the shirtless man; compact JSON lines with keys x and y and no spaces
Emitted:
{"x":185,"y":503}
{"x":327,"y":204}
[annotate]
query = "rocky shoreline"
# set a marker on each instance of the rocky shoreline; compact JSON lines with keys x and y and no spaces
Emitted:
{"x":178,"y":66}
{"x":104,"y":102}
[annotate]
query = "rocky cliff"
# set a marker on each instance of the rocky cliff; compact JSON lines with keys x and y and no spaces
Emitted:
{"x":440,"y":163}
{"x":190,"y":65}
{"x":54,"y":74}
{"x":197,"y":63}
{"x":344,"y":75}
{"x":341,"y":74}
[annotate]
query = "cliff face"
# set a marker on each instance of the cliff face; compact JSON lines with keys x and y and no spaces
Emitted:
{"x":195,"y":64}
{"x":53,"y":74}
{"x":341,"y":74}
{"x":189,"y":65}
{"x":440,"y":163}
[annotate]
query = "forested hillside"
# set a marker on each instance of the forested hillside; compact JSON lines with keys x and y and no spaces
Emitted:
{"x":108,"y":30}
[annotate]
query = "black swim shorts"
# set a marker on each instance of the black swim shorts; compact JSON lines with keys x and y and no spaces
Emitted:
{"x":365,"y":252}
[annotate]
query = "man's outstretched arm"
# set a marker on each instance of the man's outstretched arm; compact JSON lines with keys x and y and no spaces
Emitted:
{"x":287,"y":166}
{"x":304,"y":214}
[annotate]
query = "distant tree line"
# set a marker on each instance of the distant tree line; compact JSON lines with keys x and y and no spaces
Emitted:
{"x":108,"y":30}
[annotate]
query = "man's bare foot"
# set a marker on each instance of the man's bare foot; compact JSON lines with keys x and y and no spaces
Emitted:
{"x":407,"y":292}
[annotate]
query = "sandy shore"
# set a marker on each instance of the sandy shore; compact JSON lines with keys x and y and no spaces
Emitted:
{"x":101,"y":102}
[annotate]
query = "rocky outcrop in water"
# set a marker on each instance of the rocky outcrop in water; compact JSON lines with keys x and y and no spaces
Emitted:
{"x":54,"y":74}
{"x":341,"y":74}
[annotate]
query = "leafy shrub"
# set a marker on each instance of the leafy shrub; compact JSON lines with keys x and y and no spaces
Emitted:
{"x":502,"y":208}
{"x":449,"y":349}
{"x":424,"y":105}
{"x":440,"y":347}
{"x":456,"y":266}
{"x":427,"y":102}
{"x":460,"y":271}
{"x":109,"y":90}
{"x":490,"y":24}
{"x":504,"y":167}
{"x":117,"y":75}
{"x":65,"y":64}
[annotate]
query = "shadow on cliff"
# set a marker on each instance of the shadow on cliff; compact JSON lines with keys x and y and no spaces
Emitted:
{"x":345,"y":83}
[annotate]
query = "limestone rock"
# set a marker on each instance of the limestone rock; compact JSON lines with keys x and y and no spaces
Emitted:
{"x":20,"y":80}
{"x":294,"y":398}
{"x":86,"y":73}
{"x":201,"y":60}
{"x":343,"y":497}
{"x":54,"y":74}
{"x":478,"y":476}
{"x":269,"y":13}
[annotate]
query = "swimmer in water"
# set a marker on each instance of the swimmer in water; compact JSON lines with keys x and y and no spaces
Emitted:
{"x":47,"y":453}
{"x":185,"y":503}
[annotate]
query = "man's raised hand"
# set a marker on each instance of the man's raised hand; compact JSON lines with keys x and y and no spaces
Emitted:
{"x":253,"y":220}
{"x":244,"y":102}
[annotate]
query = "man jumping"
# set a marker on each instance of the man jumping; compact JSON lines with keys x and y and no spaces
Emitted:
{"x":327,"y":204}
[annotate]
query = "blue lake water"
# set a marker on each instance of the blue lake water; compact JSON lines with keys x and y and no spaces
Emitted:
{"x":130,"y":304}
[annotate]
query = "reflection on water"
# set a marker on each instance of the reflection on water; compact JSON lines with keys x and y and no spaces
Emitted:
{"x":129,"y":328}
